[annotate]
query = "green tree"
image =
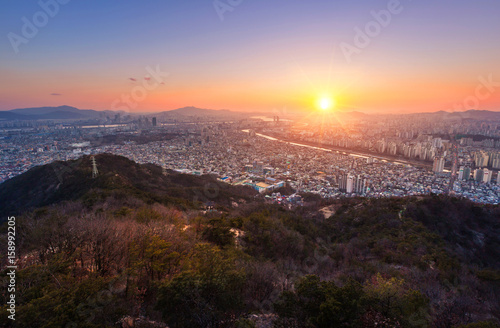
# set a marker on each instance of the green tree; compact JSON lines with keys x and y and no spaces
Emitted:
{"x":322,"y":304}
{"x":391,"y":298}
{"x":218,"y":232}
{"x":206,"y":294}
{"x":154,"y":255}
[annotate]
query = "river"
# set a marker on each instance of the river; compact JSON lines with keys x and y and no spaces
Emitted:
{"x":346,"y":152}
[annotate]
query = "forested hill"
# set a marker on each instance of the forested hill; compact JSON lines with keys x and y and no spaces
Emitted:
{"x":72,"y":180}
{"x":136,"y":248}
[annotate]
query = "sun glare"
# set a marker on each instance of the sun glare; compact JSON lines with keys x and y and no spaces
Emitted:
{"x":326,"y":104}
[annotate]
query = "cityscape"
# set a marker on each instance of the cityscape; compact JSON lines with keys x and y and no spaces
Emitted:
{"x":459,"y":157}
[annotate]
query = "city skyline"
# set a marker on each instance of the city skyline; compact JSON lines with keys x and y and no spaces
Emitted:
{"x":373,"y":57}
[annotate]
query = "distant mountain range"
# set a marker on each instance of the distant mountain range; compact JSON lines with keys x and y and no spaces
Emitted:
{"x":52,"y":113}
{"x":480,"y":115}
{"x":194,"y":111}
{"x":73,"y":113}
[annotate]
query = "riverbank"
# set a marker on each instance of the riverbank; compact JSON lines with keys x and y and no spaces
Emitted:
{"x":387,"y":158}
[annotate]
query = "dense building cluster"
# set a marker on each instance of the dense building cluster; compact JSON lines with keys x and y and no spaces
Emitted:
{"x":271,"y":155}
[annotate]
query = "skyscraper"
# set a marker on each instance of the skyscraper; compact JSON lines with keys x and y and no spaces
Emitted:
{"x":478,"y":175}
{"x":487,"y":176}
{"x":350,"y":184}
{"x":438,"y":166}
{"x":342,"y":179}
{"x":461,"y":173}
{"x":467,"y":172}
{"x":481,"y":159}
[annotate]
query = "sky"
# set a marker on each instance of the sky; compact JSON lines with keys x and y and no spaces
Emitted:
{"x":371,"y":56}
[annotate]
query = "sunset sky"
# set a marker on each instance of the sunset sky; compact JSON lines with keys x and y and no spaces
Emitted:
{"x":258,"y":56}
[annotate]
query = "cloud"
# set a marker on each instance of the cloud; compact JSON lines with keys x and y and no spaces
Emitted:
{"x":132,"y":79}
{"x":147,"y":78}
{"x":56,"y":94}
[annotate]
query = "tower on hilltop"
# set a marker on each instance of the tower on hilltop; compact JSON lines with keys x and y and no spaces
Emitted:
{"x":95,"y":172}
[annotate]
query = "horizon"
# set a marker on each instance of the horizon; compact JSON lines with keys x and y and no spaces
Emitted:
{"x":148,"y":112}
{"x":382,"y":57}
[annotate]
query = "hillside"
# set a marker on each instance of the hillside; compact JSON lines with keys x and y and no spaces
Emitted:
{"x":191,"y":112}
{"x":52,"y":113}
{"x":136,"y":246}
{"x":194,"y":111}
{"x":479,"y":115}
{"x":72,"y":180}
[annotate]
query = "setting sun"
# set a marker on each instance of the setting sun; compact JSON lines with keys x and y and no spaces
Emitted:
{"x":325,"y":103}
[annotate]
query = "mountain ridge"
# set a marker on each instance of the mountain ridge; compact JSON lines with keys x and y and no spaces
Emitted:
{"x":51,"y":113}
{"x":72,"y":113}
{"x":71,"y":180}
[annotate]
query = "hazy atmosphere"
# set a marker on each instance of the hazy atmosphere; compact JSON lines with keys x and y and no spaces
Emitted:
{"x":250,"y":164}
{"x":371,"y":56}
